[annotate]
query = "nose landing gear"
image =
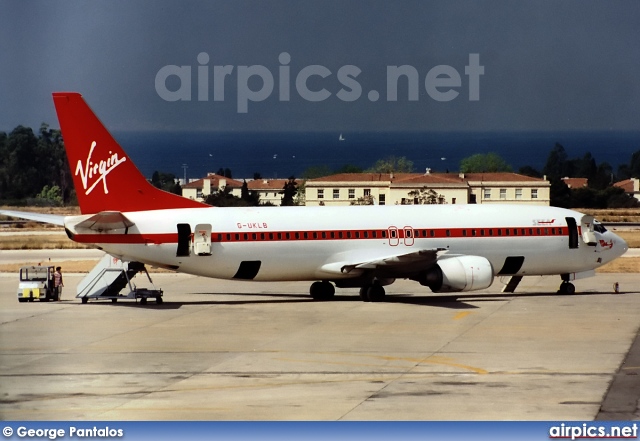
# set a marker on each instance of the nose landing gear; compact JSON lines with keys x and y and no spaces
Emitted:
{"x":566,"y":288}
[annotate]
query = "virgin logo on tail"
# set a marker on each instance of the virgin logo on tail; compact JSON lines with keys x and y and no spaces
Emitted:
{"x":97,"y":171}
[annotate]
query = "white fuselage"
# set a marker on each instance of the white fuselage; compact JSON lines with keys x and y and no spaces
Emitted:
{"x":309,"y":243}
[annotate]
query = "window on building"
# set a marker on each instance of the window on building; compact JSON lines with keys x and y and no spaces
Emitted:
{"x":487,"y":193}
{"x":352,"y":193}
{"x":534,"y":193}
{"x":321,"y":193}
{"x":367,"y":192}
{"x":453,"y":200}
{"x":518,"y":193}
{"x":336,"y":193}
{"x":382,"y":199}
{"x":503,"y":193}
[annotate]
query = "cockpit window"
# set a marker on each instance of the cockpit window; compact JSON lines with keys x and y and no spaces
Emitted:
{"x":597,"y":226}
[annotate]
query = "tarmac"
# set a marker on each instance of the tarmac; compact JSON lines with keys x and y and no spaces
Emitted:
{"x":226,"y":350}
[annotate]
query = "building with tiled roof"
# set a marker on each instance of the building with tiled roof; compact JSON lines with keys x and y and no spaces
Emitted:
{"x":417,"y":188}
{"x":269,"y":190}
{"x":201,"y":188}
{"x":576,"y":182}
{"x":630,"y":186}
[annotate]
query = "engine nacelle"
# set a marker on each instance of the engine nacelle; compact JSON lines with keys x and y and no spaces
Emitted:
{"x":457,"y":274}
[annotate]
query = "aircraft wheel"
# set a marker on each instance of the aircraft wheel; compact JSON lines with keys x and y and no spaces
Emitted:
{"x":364,"y":293}
{"x":567,"y":288}
{"x":159,"y":300}
{"x":114,"y":300}
{"x":84,"y":300}
{"x":376,"y":293}
{"x":143,"y":301}
{"x":322,"y":290}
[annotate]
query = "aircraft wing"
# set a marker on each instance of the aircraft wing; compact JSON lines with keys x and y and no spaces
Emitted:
{"x":38,"y":217}
{"x":393,"y":264}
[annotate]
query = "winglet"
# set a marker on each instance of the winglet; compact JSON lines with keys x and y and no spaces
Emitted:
{"x":104,"y":176}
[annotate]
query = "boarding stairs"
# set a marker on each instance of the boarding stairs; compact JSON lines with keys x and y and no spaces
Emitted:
{"x":110,"y":276}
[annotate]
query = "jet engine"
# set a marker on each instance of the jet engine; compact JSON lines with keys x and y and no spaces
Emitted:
{"x":456,"y":274}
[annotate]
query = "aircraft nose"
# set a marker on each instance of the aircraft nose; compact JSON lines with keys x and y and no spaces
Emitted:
{"x":621,"y":245}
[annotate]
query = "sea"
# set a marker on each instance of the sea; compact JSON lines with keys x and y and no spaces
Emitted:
{"x":285,"y":154}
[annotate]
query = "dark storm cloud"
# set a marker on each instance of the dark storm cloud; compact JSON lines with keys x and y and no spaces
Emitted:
{"x":547,"y":65}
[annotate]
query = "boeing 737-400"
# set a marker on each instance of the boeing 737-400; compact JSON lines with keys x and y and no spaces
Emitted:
{"x":448,"y":248}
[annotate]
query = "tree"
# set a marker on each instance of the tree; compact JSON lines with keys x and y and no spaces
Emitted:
{"x":251,"y":198}
{"x":603,"y":176}
{"x":484,"y":163}
{"x":426,"y":196}
{"x":559,"y":194}
{"x":392,"y":164}
{"x":49,"y":196}
{"x":364,"y":200}
{"x":634,"y":165}
{"x":166,"y":182}
{"x":24,"y":178}
{"x":224,"y":198}
{"x":585,"y":167}
{"x":631,"y":170}
{"x":527,"y":170}
{"x":557,"y":166}
{"x":226,"y":172}
{"x":289,"y":192}
{"x":28,"y":162}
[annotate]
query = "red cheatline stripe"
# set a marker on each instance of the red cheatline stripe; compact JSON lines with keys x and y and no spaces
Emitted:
{"x":392,"y":234}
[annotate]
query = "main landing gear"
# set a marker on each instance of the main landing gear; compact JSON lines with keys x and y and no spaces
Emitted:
{"x":566,"y":288}
{"x":322,"y":290}
{"x":373,"y":292}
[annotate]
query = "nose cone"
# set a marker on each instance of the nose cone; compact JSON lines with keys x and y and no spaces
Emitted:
{"x":611,"y":247}
{"x":620,"y":243}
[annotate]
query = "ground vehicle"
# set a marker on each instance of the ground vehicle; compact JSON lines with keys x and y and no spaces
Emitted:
{"x":36,"y":282}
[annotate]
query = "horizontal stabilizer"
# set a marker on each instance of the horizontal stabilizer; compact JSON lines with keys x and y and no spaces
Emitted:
{"x":38,"y":217}
{"x":105,"y":221}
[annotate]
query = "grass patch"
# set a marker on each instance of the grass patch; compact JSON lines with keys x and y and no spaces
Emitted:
{"x":632,"y":237}
{"x":62,"y":211}
{"x":39,"y":242}
{"x":613,"y":214}
{"x":68,"y":266}
{"x":621,"y":265}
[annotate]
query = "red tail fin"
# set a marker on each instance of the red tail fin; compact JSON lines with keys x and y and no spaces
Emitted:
{"x":104,"y":176}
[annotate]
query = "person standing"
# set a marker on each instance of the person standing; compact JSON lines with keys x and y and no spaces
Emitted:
{"x":58,"y":283}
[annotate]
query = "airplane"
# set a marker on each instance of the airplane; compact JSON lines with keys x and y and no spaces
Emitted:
{"x":447,"y":248}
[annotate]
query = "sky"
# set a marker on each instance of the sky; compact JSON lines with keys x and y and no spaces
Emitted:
{"x":305,"y":65}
